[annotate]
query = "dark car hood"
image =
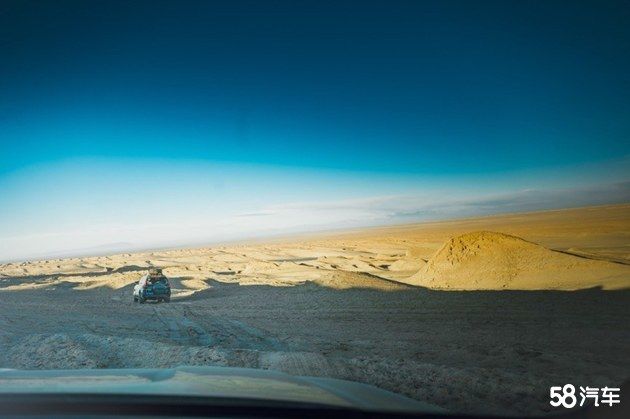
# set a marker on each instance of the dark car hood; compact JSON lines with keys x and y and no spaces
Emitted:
{"x":240,"y":383}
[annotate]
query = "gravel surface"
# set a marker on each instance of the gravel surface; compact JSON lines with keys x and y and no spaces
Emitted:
{"x":467,"y":351}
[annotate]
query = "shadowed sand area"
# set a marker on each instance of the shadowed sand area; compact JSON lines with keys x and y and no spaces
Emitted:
{"x":478,"y":315}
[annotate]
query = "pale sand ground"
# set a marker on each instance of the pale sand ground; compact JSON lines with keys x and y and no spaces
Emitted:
{"x":355,"y":306}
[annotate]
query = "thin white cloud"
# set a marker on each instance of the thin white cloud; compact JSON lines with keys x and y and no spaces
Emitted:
{"x":424,"y":207}
{"x":128,"y":212}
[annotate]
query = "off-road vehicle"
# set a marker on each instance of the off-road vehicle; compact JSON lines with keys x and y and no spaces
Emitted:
{"x":152,"y":286}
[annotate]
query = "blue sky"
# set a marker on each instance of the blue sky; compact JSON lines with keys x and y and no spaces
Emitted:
{"x":254,"y":118}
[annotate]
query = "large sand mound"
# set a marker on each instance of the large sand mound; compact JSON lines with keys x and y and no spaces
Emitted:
{"x":494,"y":261}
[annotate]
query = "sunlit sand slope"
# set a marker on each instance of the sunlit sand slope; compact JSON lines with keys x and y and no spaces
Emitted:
{"x":486,"y":260}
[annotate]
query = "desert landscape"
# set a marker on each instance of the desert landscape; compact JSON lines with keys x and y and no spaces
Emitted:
{"x":476,"y":315}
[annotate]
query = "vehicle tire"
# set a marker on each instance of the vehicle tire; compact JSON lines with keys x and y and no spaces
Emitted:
{"x":167,"y":299}
{"x":141,"y":300}
{"x":135,"y":299}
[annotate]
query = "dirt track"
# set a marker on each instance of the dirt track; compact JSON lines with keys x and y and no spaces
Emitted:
{"x":479,"y":351}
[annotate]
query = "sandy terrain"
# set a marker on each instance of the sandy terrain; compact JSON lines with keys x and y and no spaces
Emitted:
{"x":547,"y":302}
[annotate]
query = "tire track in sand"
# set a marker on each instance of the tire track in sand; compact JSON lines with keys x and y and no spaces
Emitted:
{"x":219,"y":331}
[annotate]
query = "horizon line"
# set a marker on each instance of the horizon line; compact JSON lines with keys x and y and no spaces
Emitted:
{"x":307,"y":234}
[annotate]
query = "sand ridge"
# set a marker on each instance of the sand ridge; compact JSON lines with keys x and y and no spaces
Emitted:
{"x":495,"y":261}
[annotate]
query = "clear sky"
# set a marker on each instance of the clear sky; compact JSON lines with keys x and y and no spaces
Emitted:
{"x":131,"y":124}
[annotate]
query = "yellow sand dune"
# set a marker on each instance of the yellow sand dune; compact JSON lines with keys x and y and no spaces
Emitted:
{"x":485,"y":260}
